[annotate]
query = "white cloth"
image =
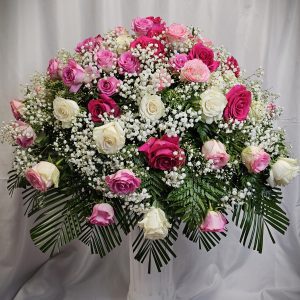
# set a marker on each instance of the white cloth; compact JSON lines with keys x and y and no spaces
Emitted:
{"x":258,"y":33}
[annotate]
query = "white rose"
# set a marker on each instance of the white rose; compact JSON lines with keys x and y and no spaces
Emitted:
{"x":109,"y":138}
{"x":283,"y":171}
{"x":151,"y":107}
{"x":213,"y":103}
{"x":48,"y":172}
{"x":257,"y":111}
{"x":65,"y":110}
{"x":155,"y":224}
{"x":123,"y":43}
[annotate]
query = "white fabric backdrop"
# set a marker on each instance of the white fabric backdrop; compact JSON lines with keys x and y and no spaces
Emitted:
{"x":258,"y":33}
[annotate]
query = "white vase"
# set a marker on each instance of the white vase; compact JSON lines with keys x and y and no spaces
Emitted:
{"x":144,"y":286}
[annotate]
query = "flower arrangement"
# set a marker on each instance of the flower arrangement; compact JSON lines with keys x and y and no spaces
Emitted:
{"x":152,"y":129}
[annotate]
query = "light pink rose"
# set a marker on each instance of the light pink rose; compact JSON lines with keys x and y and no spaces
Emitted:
{"x":123,"y":182}
{"x":214,"y":221}
{"x":34,"y":178}
{"x":43,"y":175}
{"x":215,"y":151}
{"x":102,"y":215}
{"x":255,"y":159}
{"x":108,"y":85}
{"x":195,"y":71}
{"x":90,"y":73}
{"x":54,"y":69}
{"x":207,"y":42}
{"x":177,"y":33}
{"x":25,"y":135}
{"x":17,"y":108}
{"x":141,"y":25}
{"x":73,"y":75}
{"x":120,"y":30}
{"x":161,"y":79}
{"x":106,"y":59}
{"x":178,"y":61}
{"x":128,"y":63}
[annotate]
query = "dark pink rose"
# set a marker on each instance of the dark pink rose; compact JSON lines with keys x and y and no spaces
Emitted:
{"x":206,"y":54}
{"x":233,"y":65}
{"x":54,"y":69}
{"x":214,"y":221}
{"x":123,"y":182}
{"x":141,"y":25}
{"x":25,"y":135}
{"x":128,"y":63}
{"x":178,"y":60}
{"x":73,"y":75}
{"x":106,"y":59}
{"x":105,"y":104}
{"x":144,"y":41}
{"x":108,"y":85}
{"x":35,"y":179}
{"x":102,"y":215}
{"x":17,"y":108}
{"x":239,"y":101}
{"x":164,"y":153}
{"x":89,"y":44}
{"x":157,"y":28}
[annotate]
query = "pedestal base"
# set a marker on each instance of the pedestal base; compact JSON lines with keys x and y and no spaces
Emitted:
{"x":144,"y":286}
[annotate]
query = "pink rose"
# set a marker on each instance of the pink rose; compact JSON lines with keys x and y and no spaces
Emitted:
{"x":233,"y":65}
{"x":43,"y":175}
{"x":144,"y":41}
{"x":255,"y":159}
{"x":164,"y":153}
{"x":206,"y":42}
{"x":90,"y":73}
{"x":105,"y":104}
{"x":177,"y":33}
{"x":54,"y":69}
{"x":239,"y":101}
{"x":141,"y":25}
{"x":17,"y":108}
{"x":157,"y":28}
{"x":161,"y":79}
{"x":102,"y":215}
{"x":205,"y":54}
{"x":128,"y":63}
{"x":195,"y":71}
{"x":106,"y":59}
{"x":89,"y":44}
{"x":73,"y":76}
{"x":123,"y":182}
{"x":120,"y":30}
{"x":215,"y":151}
{"x":214,"y":221}
{"x":25,"y":135}
{"x":178,"y":60}
{"x":108,"y":85}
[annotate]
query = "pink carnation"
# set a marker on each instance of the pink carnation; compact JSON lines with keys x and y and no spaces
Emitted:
{"x":123,"y":182}
{"x":195,"y":71}
{"x":102,"y":215}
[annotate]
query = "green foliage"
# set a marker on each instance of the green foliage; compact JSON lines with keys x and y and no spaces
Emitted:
{"x":206,"y":240}
{"x":194,"y":197}
{"x":158,"y":251}
{"x":260,"y":211}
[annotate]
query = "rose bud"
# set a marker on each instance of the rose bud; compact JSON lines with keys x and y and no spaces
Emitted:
{"x":17,"y":108}
{"x":102,"y":215}
{"x":155,"y":224}
{"x":214,"y":221}
{"x":283,"y":171}
{"x":25,"y":135}
{"x":43,"y":175}
{"x":255,"y":159}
